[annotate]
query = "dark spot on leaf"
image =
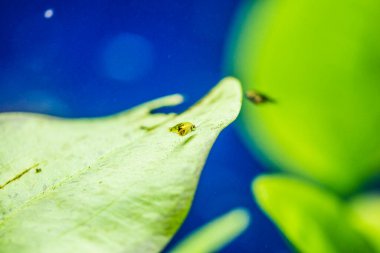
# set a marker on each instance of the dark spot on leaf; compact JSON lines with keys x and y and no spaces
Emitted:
{"x":190,"y":138}
{"x":146,"y":128}
{"x":18,"y":176}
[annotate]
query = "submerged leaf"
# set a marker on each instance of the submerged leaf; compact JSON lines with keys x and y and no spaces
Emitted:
{"x":313,"y":219}
{"x":122,"y":183}
{"x":216,"y":234}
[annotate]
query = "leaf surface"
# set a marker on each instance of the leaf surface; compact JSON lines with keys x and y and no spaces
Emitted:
{"x":122,"y":183}
{"x":312,"y":219}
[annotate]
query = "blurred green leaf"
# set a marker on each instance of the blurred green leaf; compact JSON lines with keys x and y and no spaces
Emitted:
{"x":313,"y":219}
{"x":320,"y":61}
{"x":215,"y":235}
{"x":365,"y":216}
{"x":115,"y":184}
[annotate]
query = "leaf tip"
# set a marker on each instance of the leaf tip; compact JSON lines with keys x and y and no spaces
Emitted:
{"x":170,"y":100}
{"x":241,"y":216}
{"x":259,"y":188}
{"x":232,"y":83}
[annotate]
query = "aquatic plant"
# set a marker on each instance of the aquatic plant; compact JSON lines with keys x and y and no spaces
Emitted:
{"x":216,"y":234}
{"x":122,"y":183}
{"x":318,"y":62}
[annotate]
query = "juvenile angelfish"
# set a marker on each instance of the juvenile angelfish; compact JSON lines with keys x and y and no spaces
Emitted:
{"x":183,"y":128}
{"x":258,"y":98}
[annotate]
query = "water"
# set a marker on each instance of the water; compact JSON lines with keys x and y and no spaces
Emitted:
{"x":93,"y":58}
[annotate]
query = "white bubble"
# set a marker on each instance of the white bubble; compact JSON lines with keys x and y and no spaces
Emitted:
{"x":49,"y":13}
{"x":128,"y":57}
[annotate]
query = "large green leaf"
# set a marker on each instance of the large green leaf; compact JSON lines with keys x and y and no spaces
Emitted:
{"x":216,"y":234}
{"x":365,"y":216}
{"x":115,"y":184}
{"x":319,"y":60}
{"x":313,"y":219}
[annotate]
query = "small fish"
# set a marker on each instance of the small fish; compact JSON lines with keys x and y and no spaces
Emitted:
{"x":258,"y":98}
{"x":183,"y":128}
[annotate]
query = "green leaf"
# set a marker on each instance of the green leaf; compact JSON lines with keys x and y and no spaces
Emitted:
{"x":115,"y":184}
{"x":365,"y":216}
{"x":319,"y":61}
{"x":313,"y":219}
{"x":213,"y":236}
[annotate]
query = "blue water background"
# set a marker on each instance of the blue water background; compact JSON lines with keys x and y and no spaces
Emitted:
{"x":94,"y":58}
